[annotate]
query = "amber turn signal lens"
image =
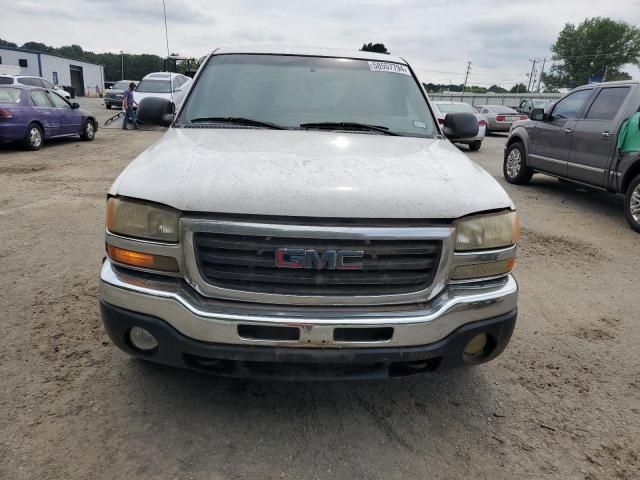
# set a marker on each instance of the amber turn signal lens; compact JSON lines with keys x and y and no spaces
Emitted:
{"x":142,"y":260}
{"x":483,"y":270}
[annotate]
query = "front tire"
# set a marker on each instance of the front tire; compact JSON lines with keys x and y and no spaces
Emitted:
{"x":34,"y":137}
{"x":88,"y":130}
{"x":475,"y":146}
{"x":514,"y":168}
{"x":632,"y":204}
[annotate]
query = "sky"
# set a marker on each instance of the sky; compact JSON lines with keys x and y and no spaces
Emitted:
{"x":437,"y":37}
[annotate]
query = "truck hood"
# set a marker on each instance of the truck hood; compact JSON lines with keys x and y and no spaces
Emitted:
{"x":309,"y":174}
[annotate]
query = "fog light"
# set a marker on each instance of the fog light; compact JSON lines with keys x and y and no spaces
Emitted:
{"x":477,"y":345}
{"x":142,"y":339}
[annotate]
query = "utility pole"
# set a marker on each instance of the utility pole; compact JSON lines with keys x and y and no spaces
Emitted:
{"x":122,"y":67}
{"x":466,"y":77}
{"x":534,"y":61}
{"x":604,"y":77}
{"x":544,"y":61}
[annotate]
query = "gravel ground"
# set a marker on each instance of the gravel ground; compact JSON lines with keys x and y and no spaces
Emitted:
{"x":563,"y":401}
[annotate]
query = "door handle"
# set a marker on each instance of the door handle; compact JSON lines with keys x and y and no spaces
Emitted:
{"x":568,"y":130}
{"x":606,"y":134}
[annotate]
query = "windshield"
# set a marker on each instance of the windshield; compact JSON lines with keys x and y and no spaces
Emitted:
{"x":9,"y":95}
{"x":291,"y":91}
{"x":120,"y":86}
{"x":154,"y":86}
{"x":455,"y":107}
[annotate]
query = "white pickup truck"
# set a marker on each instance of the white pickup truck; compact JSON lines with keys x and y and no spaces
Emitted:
{"x":305,"y":216}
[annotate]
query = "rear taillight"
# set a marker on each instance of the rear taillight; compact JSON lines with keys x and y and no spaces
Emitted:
{"x":524,"y":117}
{"x":499,"y":118}
{"x":482,"y":123}
{"x":5,"y":113}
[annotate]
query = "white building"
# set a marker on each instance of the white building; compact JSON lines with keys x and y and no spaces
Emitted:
{"x":85,"y":77}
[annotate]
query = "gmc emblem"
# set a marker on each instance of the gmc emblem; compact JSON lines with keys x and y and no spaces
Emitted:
{"x":312,"y":259}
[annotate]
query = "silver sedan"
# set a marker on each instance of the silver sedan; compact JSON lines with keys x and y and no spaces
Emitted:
{"x":499,"y":118}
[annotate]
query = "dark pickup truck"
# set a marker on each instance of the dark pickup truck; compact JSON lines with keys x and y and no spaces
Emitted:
{"x":576,"y":140}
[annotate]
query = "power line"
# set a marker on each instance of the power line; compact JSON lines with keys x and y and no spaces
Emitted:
{"x":533,"y":67}
{"x":544,"y":61}
{"x":466,"y":77}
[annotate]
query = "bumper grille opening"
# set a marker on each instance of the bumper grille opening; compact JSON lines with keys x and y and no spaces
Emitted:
{"x":404,"y":369}
{"x":248,"y":263}
{"x":259,"y":332}
{"x":380,"y":334}
{"x":310,"y":370}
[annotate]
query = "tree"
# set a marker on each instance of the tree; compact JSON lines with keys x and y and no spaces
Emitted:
{"x":496,"y":89}
{"x":374,"y":47}
{"x":595,"y":49}
{"x":519,"y":88}
{"x":38,"y":47}
{"x":4,"y":43}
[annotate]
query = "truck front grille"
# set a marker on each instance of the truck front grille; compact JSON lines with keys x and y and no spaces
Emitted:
{"x":248,"y":263}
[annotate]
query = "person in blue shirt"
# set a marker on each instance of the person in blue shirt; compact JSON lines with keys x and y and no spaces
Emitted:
{"x":127,"y":106}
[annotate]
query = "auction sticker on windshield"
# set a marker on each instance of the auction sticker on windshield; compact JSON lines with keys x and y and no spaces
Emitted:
{"x":388,"y":67}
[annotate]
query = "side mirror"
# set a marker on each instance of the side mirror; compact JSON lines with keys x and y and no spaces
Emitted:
{"x":538,"y":115}
{"x":75,"y":105}
{"x":460,"y":125}
{"x":155,"y":111}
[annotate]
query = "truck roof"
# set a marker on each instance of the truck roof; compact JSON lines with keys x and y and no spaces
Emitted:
{"x":618,"y":82}
{"x":308,"y":51}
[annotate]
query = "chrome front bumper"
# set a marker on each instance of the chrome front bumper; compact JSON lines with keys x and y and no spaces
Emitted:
{"x":216,"y":321}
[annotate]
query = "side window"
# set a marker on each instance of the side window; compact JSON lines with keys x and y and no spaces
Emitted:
{"x":569,"y":107}
{"x":46,"y":83}
{"x":607,"y":104}
{"x":39,"y":99}
{"x":26,"y":81}
{"x":57,"y":101}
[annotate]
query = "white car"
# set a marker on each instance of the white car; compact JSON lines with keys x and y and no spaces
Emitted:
{"x":34,"y":82}
{"x":172,"y":86}
{"x":442,"y":108}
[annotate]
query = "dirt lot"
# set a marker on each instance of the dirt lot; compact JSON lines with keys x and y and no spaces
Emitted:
{"x":563,"y":401}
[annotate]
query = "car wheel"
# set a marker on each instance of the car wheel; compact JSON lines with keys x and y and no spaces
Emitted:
{"x":108,"y":105}
{"x":88,"y":130}
{"x":632,"y":204}
{"x":475,"y":146}
{"x":514,"y":168}
{"x":34,"y":138}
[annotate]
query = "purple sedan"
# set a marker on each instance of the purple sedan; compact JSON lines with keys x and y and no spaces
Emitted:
{"x":32,"y":115}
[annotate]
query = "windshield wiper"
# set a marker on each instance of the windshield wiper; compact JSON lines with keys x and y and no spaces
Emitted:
{"x":348,"y":126}
{"x":238,"y":121}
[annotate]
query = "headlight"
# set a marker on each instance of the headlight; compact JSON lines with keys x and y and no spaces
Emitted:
{"x":132,"y":218}
{"x":487,"y":231}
